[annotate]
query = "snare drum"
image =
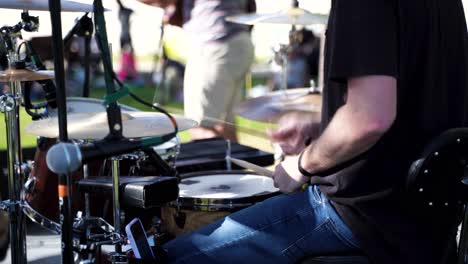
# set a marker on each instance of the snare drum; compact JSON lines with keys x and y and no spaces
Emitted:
{"x":207,"y":196}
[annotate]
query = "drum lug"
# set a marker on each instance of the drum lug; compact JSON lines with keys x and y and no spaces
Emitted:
{"x":27,"y":167}
{"x":30,"y":185}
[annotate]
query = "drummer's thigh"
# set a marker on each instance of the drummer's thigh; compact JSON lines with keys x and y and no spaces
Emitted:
{"x":260,"y":233}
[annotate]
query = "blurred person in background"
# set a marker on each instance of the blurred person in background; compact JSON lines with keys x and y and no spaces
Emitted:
{"x":128,"y":71}
{"x":221,"y":54}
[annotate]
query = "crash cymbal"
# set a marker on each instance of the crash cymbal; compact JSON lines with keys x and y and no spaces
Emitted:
{"x":94,"y":125}
{"x":270,"y":107}
{"x":291,"y":16}
{"x":43,"y":5}
{"x":24,"y":75}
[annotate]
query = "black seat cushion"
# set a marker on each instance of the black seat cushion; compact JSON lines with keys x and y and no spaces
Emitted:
{"x":355,"y":259}
{"x":435,"y":180}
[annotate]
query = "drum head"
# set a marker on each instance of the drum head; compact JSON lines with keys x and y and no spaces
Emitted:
{"x":225,"y":190}
{"x":226,"y":186}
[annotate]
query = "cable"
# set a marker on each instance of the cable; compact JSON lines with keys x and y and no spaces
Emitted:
{"x":135,"y":97}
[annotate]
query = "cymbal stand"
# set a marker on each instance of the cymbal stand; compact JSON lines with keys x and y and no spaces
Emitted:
{"x":64,"y":189}
{"x":96,"y":232}
{"x":228,"y":155}
{"x":282,"y":53}
{"x":84,"y":28}
{"x":118,"y":256}
{"x":10,"y":105}
{"x":321,"y":70}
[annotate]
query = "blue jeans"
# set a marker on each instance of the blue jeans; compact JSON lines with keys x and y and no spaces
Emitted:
{"x":282,"y":229}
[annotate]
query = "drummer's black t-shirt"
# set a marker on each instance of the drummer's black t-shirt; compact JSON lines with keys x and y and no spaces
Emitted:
{"x":423,"y":43}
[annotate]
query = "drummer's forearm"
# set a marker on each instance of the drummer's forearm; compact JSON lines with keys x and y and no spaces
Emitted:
{"x":338,"y":143}
{"x":368,"y":113}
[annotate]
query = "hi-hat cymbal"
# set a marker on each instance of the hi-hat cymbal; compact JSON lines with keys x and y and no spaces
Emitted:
{"x":292,"y":16}
{"x":43,"y":5}
{"x":270,"y":107}
{"x":94,"y":125}
{"x":24,"y":75}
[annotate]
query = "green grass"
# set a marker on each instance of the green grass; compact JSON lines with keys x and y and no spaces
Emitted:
{"x":250,"y":132}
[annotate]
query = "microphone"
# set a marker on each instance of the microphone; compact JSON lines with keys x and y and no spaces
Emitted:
{"x":63,"y":158}
{"x":48,"y":86}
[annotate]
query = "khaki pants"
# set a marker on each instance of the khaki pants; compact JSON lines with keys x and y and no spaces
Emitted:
{"x":214,"y":78}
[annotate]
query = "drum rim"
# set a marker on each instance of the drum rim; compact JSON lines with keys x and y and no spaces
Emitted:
{"x":40,"y":219}
{"x":227,"y":204}
{"x":204,"y":173}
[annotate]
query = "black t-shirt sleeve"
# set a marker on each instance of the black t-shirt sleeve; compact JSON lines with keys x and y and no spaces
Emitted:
{"x":362,"y":37}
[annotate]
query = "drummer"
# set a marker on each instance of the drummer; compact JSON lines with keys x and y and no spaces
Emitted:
{"x":395,"y":78}
{"x":220,"y":56}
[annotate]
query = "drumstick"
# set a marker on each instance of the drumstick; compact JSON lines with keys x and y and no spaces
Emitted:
{"x":258,"y":169}
{"x":251,"y":166}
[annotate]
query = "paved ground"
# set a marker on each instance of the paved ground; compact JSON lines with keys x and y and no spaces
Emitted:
{"x":43,"y":246}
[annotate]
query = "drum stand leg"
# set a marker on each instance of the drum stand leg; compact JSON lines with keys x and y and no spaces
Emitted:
{"x":228,"y":155}
{"x":117,"y":257}
{"x":10,"y":105}
{"x":87,"y":205}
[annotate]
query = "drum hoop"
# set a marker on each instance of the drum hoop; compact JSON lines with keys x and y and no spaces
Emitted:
{"x":213,"y":205}
{"x":213,"y":172}
{"x":39,"y":219}
{"x":225,"y":204}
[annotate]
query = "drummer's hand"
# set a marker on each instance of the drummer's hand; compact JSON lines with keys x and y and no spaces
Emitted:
{"x":295,"y":130}
{"x":287,"y":177}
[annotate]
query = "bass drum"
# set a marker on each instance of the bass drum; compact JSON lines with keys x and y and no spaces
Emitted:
{"x":41,"y":197}
{"x":207,"y":196}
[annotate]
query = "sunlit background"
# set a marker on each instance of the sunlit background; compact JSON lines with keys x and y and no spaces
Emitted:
{"x":146,"y":22}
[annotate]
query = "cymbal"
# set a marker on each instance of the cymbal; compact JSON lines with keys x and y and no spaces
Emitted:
{"x":270,"y":107}
{"x":291,"y":16}
{"x":24,"y":75}
{"x":94,"y":125}
{"x":43,"y":5}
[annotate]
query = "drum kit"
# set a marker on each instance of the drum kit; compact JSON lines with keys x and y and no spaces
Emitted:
{"x":183,"y":202}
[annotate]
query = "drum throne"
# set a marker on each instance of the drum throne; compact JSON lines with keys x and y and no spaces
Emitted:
{"x":437,"y":184}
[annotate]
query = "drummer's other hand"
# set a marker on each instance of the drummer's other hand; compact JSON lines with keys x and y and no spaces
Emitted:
{"x":295,"y":130}
{"x":287,"y":177}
